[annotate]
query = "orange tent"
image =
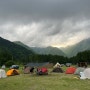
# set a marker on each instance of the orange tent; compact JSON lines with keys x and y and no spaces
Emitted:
{"x":70,"y":70}
{"x":12,"y":72}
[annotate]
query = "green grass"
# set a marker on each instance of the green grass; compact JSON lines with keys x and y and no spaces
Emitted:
{"x":53,"y":81}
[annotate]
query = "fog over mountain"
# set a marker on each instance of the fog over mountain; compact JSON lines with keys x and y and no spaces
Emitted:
{"x":79,"y":47}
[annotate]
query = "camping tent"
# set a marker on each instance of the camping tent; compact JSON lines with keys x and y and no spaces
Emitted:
{"x":70,"y":70}
{"x":2,"y":73}
{"x":68,"y":64}
{"x":42,"y":71}
{"x":14,"y":67}
{"x":12,"y":72}
{"x":57,"y":70}
{"x":3,"y":67}
{"x":87,"y":73}
{"x":27,"y":70}
{"x":78,"y":70}
{"x":57,"y":65}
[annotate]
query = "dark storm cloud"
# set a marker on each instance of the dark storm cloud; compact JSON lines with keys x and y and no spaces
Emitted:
{"x":45,"y":22}
{"x":44,"y":9}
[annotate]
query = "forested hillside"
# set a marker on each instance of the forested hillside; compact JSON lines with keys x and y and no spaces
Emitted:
{"x":12,"y":51}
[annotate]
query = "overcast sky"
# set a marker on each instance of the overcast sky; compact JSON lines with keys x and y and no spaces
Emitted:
{"x":45,"y":22}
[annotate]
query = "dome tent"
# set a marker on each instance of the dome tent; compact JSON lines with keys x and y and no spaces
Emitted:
{"x":42,"y":71}
{"x":12,"y":72}
{"x":2,"y":73}
{"x":87,"y":73}
{"x":78,"y":70}
{"x":70,"y":70}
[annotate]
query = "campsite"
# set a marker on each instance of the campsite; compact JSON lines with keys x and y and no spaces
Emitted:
{"x":52,"y":81}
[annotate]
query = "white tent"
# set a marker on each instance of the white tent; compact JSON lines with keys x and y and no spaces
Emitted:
{"x":2,"y":73}
{"x":87,"y":73}
{"x":3,"y":67}
{"x":82,"y":76}
{"x":78,"y":70}
{"x":57,"y":65}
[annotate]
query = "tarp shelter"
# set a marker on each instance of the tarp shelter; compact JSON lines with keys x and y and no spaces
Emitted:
{"x":87,"y":73}
{"x":70,"y":70}
{"x":57,"y":70}
{"x":12,"y":72}
{"x":78,"y":70}
{"x":2,"y":73}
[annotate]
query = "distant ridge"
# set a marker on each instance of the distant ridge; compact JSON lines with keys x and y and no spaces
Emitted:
{"x":79,"y":47}
{"x":48,"y":50}
{"x":43,"y":50}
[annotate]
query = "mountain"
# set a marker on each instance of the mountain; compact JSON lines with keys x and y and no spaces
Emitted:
{"x":17,"y":51}
{"x":48,"y":50}
{"x":79,"y":47}
{"x":22,"y":44}
{"x":43,"y":50}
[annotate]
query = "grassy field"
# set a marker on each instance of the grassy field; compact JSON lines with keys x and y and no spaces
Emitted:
{"x":52,"y":81}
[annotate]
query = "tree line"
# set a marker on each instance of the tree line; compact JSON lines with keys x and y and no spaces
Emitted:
{"x":7,"y":58}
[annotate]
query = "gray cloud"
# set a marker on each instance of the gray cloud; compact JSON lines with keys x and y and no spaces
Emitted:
{"x":45,"y":22}
{"x":44,"y":9}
